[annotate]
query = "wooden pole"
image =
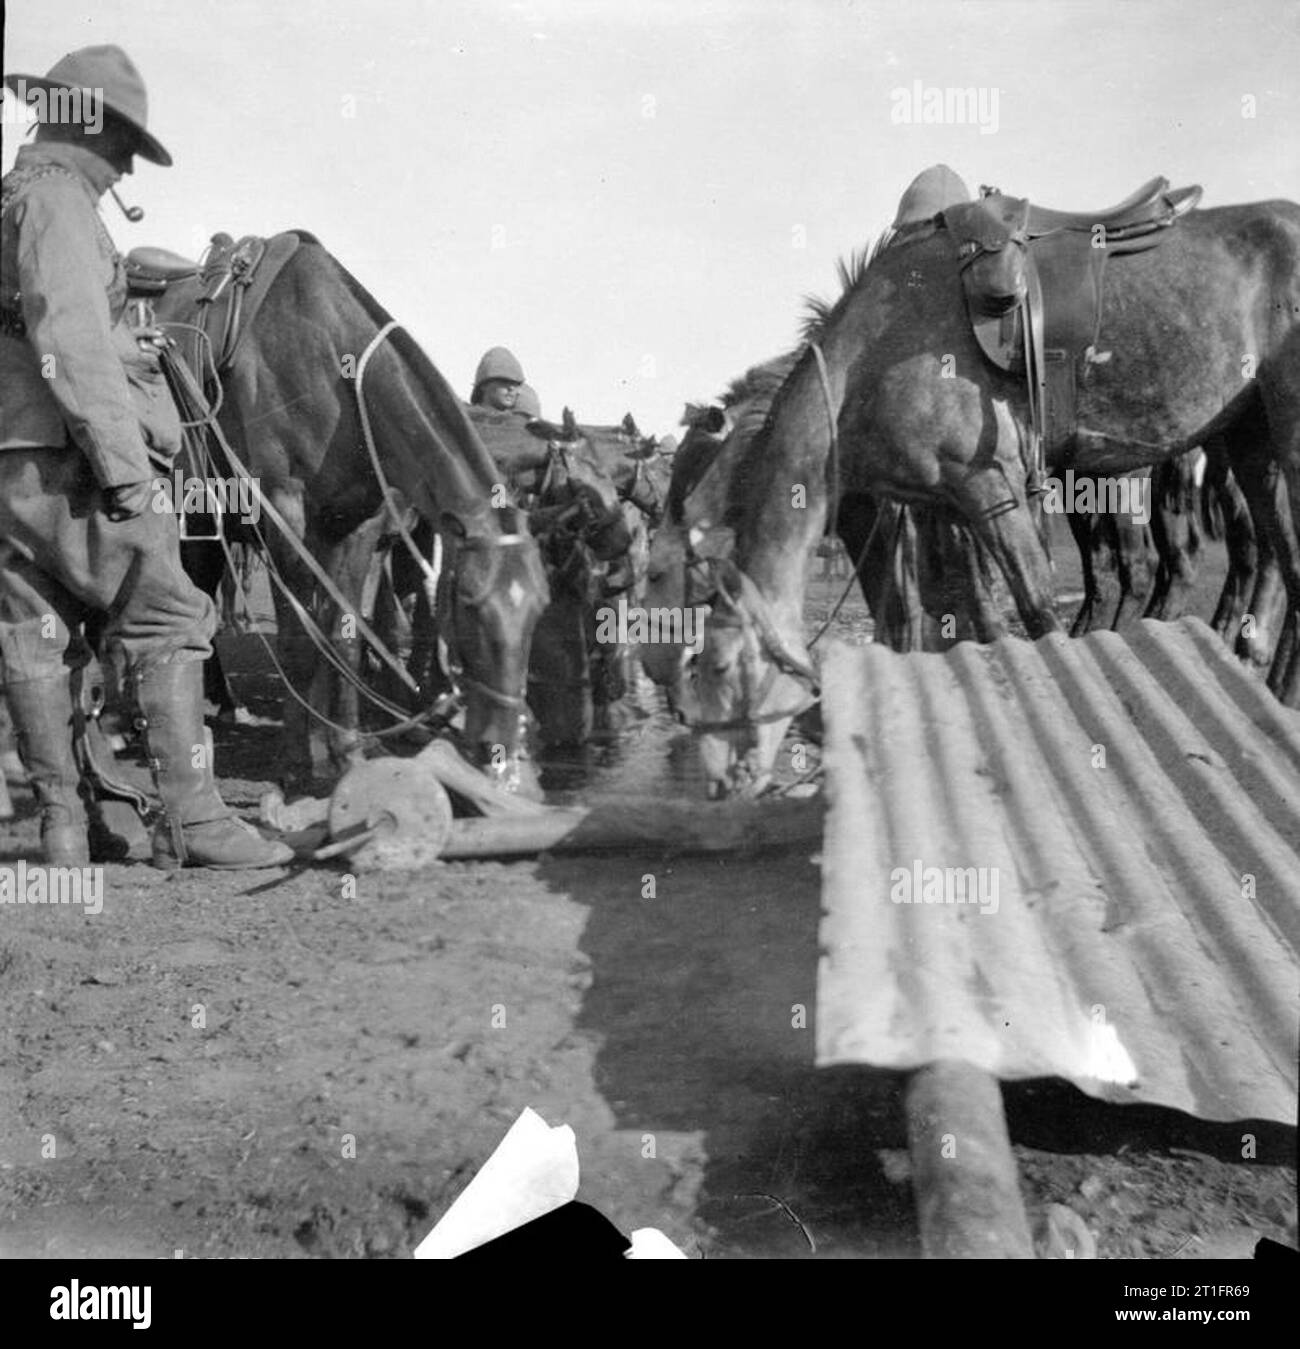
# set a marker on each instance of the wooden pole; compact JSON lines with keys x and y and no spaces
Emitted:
{"x":964,"y":1175}
{"x":641,"y":822}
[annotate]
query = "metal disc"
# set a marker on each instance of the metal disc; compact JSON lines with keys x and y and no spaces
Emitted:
{"x":404,"y":789}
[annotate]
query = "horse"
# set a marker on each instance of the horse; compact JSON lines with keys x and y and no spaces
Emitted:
{"x":925,"y":582}
{"x":924,"y":417}
{"x":579,"y":513}
{"x":289,"y":398}
{"x":1222,"y":292}
{"x":914,"y":574}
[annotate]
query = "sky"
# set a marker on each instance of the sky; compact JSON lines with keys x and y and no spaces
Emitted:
{"x":636,"y":196}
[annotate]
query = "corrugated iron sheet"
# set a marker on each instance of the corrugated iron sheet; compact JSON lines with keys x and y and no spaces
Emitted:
{"x":1135,"y":801}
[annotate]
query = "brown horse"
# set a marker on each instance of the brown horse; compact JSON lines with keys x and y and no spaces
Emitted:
{"x":923,"y":584}
{"x":289,"y":406}
{"x":924,"y":417}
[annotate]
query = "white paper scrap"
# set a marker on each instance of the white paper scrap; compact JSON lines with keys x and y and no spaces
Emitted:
{"x":533,"y":1171}
{"x":649,"y":1243}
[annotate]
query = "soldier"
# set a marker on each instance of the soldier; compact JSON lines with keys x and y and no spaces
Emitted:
{"x":497,"y":380}
{"x":85,"y":405}
{"x":527,"y":404}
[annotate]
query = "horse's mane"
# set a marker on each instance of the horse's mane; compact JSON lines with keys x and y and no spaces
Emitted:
{"x":421,"y":367}
{"x":755,"y":392}
{"x":819,"y":315}
{"x":819,"y":312}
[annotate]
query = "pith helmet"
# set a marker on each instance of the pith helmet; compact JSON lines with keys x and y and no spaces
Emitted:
{"x":527,"y":402}
{"x":498,"y":363}
{"x":101,"y":72}
{"x":931,"y":191}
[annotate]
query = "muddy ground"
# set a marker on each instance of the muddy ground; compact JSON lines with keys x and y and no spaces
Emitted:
{"x":269,"y":1065}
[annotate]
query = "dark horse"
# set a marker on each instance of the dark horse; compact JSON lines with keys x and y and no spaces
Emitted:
{"x":574,"y":511}
{"x":1204,"y":333}
{"x":289,"y":407}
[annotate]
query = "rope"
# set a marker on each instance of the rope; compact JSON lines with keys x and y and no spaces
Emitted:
{"x":848,"y":585}
{"x":430,"y":570}
{"x":832,"y":421}
{"x":194,"y":396}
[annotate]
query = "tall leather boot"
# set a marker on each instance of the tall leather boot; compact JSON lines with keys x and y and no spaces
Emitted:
{"x":42,"y":713}
{"x":198,"y":828}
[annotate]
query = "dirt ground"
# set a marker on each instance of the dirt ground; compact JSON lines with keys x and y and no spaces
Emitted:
{"x":272,"y":1065}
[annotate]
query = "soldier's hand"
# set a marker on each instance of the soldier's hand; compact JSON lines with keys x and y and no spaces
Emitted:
{"x":127,"y":501}
{"x":149,"y":339}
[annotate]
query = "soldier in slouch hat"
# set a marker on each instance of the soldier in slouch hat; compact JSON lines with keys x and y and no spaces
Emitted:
{"x":86,"y":422}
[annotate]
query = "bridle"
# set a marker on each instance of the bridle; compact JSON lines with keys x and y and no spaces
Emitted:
{"x":748,"y":610}
{"x":653,"y":508}
{"x":450,"y":603}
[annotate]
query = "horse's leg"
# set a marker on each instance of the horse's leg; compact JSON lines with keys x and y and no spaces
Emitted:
{"x":1133,"y":563}
{"x":1260,"y":481}
{"x":559,"y":692}
{"x":907,"y":624}
{"x":1279,"y":383}
{"x":348,"y":563}
{"x":393,"y":626}
{"x":955,"y":583}
{"x":864,"y":527}
{"x":294,"y":648}
{"x":980,"y":586}
{"x":1221,"y":491}
{"x":1012,"y":537}
{"x":1284,"y":677}
{"x":1175,"y":531}
{"x":1092,"y":536}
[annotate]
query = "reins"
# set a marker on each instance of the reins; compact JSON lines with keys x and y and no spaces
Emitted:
{"x":197,"y":413}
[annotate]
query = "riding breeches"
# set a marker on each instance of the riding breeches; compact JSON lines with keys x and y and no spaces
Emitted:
{"x":64,"y":563}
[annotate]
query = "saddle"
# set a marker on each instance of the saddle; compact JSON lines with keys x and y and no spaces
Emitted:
{"x":1032,"y":279}
{"x":234,"y":277}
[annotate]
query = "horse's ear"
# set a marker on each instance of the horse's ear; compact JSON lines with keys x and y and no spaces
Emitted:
{"x":570,"y":425}
{"x":709,"y":418}
{"x":544,"y":430}
{"x":629,"y":426}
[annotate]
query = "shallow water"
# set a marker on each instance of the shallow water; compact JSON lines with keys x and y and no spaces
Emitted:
{"x":652,"y":754}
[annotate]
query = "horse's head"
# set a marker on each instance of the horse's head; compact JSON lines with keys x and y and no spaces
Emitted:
{"x":493,"y":589}
{"x":752,"y":674}
{"x":577,"y":497}
{"x":676,"y":574}
{"x":746,"y":553}
{"x":586,"y":541}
